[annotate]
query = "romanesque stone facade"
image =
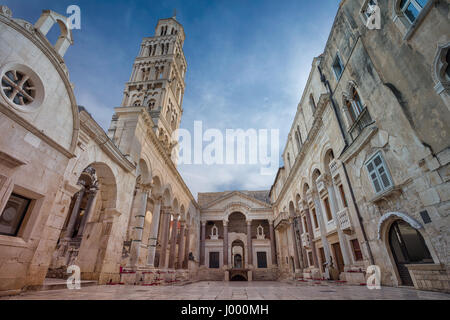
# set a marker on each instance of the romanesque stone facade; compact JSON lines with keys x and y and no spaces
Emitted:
{"x":366,"y":175}
{"x":113,"y":203}
{"x":364,"y":187}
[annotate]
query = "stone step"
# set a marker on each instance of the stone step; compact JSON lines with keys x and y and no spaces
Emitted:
{"x":58,"y":284}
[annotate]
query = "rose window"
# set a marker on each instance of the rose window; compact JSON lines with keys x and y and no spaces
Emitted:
{"x":18,"y":87}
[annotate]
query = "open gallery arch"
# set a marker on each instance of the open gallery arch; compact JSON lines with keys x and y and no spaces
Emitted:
{"x":86,"y":222}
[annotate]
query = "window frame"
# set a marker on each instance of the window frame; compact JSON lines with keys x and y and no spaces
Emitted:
{"x":357,"y":256}
{"x":22,"y":218}
{"x":337,"y":58}
{"x":380,"y":180}
{"x":403,"y":23}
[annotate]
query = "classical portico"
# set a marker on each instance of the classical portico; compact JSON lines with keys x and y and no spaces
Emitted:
{"x":237,"y":240}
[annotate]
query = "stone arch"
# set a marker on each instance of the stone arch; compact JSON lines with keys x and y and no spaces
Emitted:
{"x":167,"y":196}
{"x":327,"y":157}
{"x":46,"y":22}
{"x":156,"y":185}
{"x":384,"y":227}
{"x":387,"y":219}
{"x":315,"y":173}
{"x":107,"y":184}
{"x":305,"y":189}
{"x":144,"y":171}
{"x":175,"y":205}
{"x":236,"y":207}
{"x":291,"y":209}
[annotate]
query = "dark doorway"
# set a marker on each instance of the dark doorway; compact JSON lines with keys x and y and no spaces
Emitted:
{"x":338,"y":256}
{"x":322,"y":259}
{"x":214,"y":262}
{"x":408,"y":247}
{"x":238,"y":277}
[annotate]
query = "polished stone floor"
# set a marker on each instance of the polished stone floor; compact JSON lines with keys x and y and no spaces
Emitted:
{"x":233,"y":291}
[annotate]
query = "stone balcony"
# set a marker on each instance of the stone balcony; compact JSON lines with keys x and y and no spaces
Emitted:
{"x":282,"y":220}
{"x":344,"y":220}
{"x":334,"y":168}
{"x":306,"y":241}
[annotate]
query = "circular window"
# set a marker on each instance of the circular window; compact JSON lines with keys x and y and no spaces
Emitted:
{"x":21,"y":87}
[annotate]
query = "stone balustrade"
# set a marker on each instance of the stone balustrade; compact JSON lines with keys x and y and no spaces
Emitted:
{"x":344,"y":220}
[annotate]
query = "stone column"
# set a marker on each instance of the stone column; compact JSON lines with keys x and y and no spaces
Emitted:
{"x":181,"y":238}
{"x":74,"y":215}
{"x":164,"y":237}
{"x":202,"y":244}
{"x":311,"y":236}
{"x":225,"y":244}
{"x":173,"y":242}
{"x":334,"y":211}
{"x":272,"y":243}
{"x":138,"y":228}
{"x":249,"y":243}
{"x":296,"y":260}
{"x":323,"y":231}
{"x":187,"y":248}
{"x":89,"y":207}
{"x":153,"y":238}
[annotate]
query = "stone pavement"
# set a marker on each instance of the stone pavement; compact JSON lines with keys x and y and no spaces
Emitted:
{"x":233,"y":291}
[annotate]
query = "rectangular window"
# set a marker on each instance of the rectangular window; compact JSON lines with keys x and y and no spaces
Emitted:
{"x":326,"y":203}
{"x":338,"y":68}
{"x":214,"y":260}
{"x":343,"y":198}
{"x":12,"y":217}
{"x":316,"y":223}
{"x":412,"y":8}
{"x":262,"y":260}
{"x":378,"y":174}
{"x":357,"y":250}
{"x":305,"y":224}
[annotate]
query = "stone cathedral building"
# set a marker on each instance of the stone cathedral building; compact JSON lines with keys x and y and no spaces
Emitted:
{"x":365,"y":180}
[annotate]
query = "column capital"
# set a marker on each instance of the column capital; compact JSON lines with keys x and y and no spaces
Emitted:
{"x":203,"y":222}
{"x":271,"y":222}
{"x":225,"y":223}
{"x":249,"y":222}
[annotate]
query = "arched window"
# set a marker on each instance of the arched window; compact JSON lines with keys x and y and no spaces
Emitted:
{"x":298,"y":139}
{"x":312,"y":103}
{"x":354,"y":105}
{"x":412,"y":8}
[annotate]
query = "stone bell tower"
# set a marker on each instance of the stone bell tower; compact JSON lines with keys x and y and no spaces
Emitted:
{"x":157,"y":82}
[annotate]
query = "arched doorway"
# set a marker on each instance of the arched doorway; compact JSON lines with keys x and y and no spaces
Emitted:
{"x":408,"y":247}
{"x":237,"y":250}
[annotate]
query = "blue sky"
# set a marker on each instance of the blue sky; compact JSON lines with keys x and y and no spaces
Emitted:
{"x":248,"y":62}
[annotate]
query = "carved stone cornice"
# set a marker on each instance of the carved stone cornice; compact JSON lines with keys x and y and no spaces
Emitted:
{"x":315,"y":129}
{"x":10,"y":161}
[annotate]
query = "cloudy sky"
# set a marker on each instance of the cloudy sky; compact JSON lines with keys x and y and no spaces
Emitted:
{"x":248,"y":62}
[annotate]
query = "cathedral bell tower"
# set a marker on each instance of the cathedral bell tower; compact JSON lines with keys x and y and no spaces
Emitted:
{"x":157,"y":82}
